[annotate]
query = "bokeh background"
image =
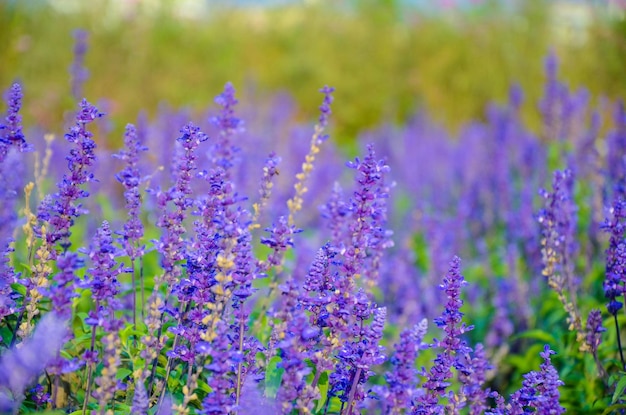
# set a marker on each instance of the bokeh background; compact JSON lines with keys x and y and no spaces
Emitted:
{"x":387,"y":58}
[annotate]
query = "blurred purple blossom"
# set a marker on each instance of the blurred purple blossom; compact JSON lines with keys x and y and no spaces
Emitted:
{"x":78,"y":71}
{"x":21,"y":365}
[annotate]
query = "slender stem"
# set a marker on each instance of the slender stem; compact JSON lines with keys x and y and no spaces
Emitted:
{"x":168,"y":366}
{"x":316,"y":378}
{"x":156,"y":359}
{"x":143,"y":299}
{"x":17,"y":326}
{"x":619,"y":342}
{"x":355,"y":383}
{"x":134,"y":283}
{"x":55,"y":391}
{"x":90,"y":372}
{"x":240,"y":365}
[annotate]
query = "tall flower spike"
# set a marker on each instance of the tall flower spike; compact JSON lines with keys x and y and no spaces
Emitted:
{"x":540,"y":390}
{"x":295,"y":203}
{"x":615,"y":276}
{"x":438,"y":379}
{"x":228,"y":125}
{"x":61,"y":209}
{"x":130,"y":178}
{"x":402,"y":379}
{"x":11,"y":134}
{"x":78,"y":71}
{"x":368,"y":236}
{"x":270,"y":171}
{"x":558,"y":245}
{"x":593,"y":339}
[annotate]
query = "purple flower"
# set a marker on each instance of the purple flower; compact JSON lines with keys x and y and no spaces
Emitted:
{"x":171,"y":244}
{"x":20,"y":365}
{"x":594,"y":331}
{"x":78,"y":71}
{"x":558,"y":244}
{"x":369,"y":215}
{"x":402,"y":378}
{"x":62,"y":289}
{"x":453,"y":346}
{"x":540,"y":390}
{"x":472,"y":375}
{"x":325,"y":107}
{"x":11,"y":134}
{"x":279,"y":240}
{"x":102,"y":279}
{"x":359,"y":354}
{"x":228,"y":125}
{"x":141,"y":402}
{"x":615,"y":274}
{"x":130,"y":178}
{"x":61,"y":209}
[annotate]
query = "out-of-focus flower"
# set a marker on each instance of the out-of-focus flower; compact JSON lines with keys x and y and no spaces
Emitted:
{"x":78,"y":71}
{"x":20,"y":365}
{"x":228,"y":125}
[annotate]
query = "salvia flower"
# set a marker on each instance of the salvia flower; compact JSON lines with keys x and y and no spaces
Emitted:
{"x":171,"y":244}
{"x":402,"y":379}
{"x":61,"y":209}
{"x":368,"y":236}
{"x":615,"y":274}
{"x":594,"y":331}
{"x":558,"y":246}
{"x":141,"y":402}
{"x":102,"y":279}
{"x":78,"y":71}
{"x":438,"y":379}
{"x":295,"y":203}
{"x":540,"y":390}
{"x":472,"y":375}
{"x":130,"y":178}
{"x":11,"y":134}
{"x":270,"y":171}
{"x":228,"y":125}
{"x":359,"y":354}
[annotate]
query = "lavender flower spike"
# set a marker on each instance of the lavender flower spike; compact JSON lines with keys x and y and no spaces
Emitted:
{"x":11,"y":134}
{"x":229,"y":125}
{"x":452,"y":345}
{"x":402,"y":380}
{"x":540,"y":390}
{"x":19,"y":366}
{"x":77,"y":70}
{"x":61,"y":209}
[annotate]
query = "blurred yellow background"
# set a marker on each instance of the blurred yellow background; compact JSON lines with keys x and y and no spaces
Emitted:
{"x":385,"y":58}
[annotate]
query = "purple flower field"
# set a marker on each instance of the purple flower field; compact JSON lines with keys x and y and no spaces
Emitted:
{"x":237,"y":262}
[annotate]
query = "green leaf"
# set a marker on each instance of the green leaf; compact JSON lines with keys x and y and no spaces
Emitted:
{"x":122,"y":373}
{"x":619,"y":389}
{"x":322,"y":384}
{"x":537,"y":334}
{"x":612,"y":409}
{"x":273,"y":377}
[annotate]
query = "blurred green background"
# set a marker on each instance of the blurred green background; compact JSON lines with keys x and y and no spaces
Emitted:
{"x":386,"y":58}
